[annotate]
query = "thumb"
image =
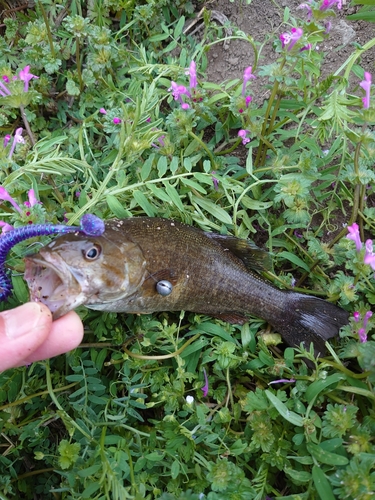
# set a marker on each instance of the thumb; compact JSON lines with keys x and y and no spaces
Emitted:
{"x":22,"y":331}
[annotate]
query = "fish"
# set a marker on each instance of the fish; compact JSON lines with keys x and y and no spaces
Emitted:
{"x":143,"y":265}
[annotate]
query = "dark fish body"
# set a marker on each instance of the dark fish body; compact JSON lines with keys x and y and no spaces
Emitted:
{"x":209,"y":274}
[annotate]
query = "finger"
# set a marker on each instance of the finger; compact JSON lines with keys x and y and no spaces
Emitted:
{"x":22,"y":331}
{"x":66,"y":334}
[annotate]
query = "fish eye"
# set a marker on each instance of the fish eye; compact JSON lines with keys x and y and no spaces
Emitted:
{"x":92,"y":253}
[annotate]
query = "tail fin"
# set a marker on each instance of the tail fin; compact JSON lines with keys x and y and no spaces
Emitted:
{"x":309,"y":319}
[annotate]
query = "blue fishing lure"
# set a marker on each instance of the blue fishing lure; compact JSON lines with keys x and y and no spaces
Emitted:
{"x":89,"y":225}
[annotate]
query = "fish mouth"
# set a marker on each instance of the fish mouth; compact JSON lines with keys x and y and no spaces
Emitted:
{"x":52,"y":282}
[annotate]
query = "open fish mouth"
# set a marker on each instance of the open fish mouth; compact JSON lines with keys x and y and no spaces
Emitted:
{"x":52,"y":282}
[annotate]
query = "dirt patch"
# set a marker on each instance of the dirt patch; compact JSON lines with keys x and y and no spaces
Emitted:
{"x":262,"y":19}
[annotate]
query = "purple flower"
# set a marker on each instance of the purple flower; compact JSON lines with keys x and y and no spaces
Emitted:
{"x":248,"y":100}
{"x":5,"y":227}
{"x":205,"y":387}
{"x":366,"y":318}
{"x":366,"y":85}
{"x":4,"y":195}
{"x":282,"y":381}
{"x":327,"y":4}
{"x":5,"y":78}
{"x":362,"y":335}
{"x":161,"y":142}
{"x":193,"y":75}
{"x":247,"y":75}
{"x":32,"y":199}
{"x":17,"y":139}
{"x":369,"y":257}
{"x":4,"y":91}
{"x":215,"y":181}
{"x":354,"y":235}
{"x":306,"y":47}
{"x":178,"y":91}
{"x":78,"y":194}
{"x":356,"y":316}
{"x":290,"y":39}
{"x":116,"y":120}
{"x":296,"y":34}
{"x":328,"y":26}
{"x":6,"y":140}
{"x":243,"y":134}
{"x":26,"y":76}
{"x":103,"y":111}
{"x":309,"y":10}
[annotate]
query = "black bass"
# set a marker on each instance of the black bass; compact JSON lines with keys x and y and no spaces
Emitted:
{"x":144,"y":265}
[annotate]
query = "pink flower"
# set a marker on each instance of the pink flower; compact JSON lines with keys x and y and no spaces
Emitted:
{"x":116,"y":120}
{"x":32,"y":199}
{"x":327,"y":4}
{"x":356,"y":316}
{"x":247,"y":75}
{"x":248,"y":100}
{"x":362,"y":335}
{"x":17,"y":139}
{"x":290,"y":39}
{"x":369,"y":257}
{"x":215,"y":181}
{"x":5,"y":227}
{"x":309,"y":10}
{"x":354,"y":235}
{"x":178,"y":91}
{"x":5,"y":78}
{"x":282,"y":381}
{"x":193,"y":75}
{"x":26,"y":76}
{"x":4,"y":91}
{"x":366,"y":318}
{"x":285,"y":39}
{"x":296,"y":35}
{"x":206,"y":386}
{"x":366,"y":85}
{"x":6,"y":140}
{"x":243,"y":134}
{"x":4,"y":195}
{"x":328,"y":26}
{"x":103,"y":111}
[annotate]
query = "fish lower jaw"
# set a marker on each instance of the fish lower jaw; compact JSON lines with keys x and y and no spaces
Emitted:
{"x":49,"y":286}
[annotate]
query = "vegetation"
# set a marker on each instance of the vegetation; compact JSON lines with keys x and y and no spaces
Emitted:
{"x":105,"y":109}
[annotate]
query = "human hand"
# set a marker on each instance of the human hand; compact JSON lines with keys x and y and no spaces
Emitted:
{"x":27,"y":334}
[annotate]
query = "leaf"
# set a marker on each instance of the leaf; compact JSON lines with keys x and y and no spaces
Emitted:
{"x":116,"y":207}
{"x":320,"y":385}
{"x":175,"y":469}
{"x":322,"y":484}
{"x":174,"y":196}
{"x":194,"y":185}
{"x":293,"y":258}
{"x":179,"y":27}
{"x":326,"y":457}
{"x":289,"y":415}
{"x":216,"y":211}
{"x":143,"y":202}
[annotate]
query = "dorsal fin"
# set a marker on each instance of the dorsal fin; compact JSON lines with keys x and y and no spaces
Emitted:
{"x":252,"y":256}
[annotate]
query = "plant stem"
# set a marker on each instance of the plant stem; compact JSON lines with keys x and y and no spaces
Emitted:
{"x":204,"y":146}
{"x":27,"y":125}
{"x":49,"y":34}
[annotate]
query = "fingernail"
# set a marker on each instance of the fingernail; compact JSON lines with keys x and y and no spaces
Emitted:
{"x":22,"y":320}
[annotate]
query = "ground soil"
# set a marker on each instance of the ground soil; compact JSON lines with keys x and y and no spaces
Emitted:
{"x":264,"y":17}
